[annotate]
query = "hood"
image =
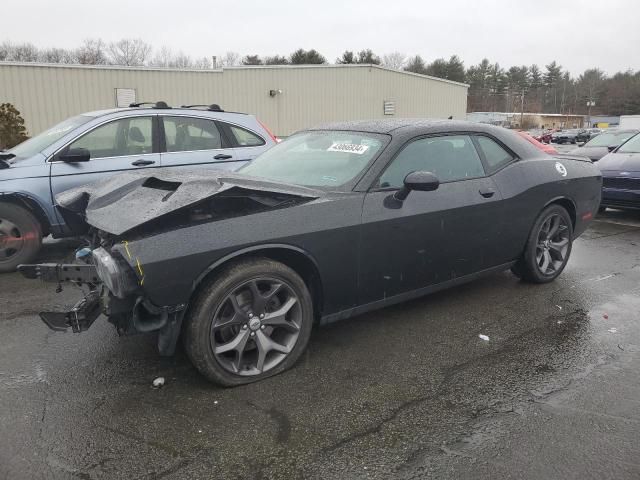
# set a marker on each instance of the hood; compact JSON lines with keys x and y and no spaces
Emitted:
{"x":129,"y":200}
{"x":594,"y":153}
{"x":628,"y":162}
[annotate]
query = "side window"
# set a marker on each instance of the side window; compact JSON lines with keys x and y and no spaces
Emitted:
{"x":127,"y":136}
{"x":494,"y":154}
{"x":450,"y":158}
{"x":245,"y":138}
{"x":184,"y":134}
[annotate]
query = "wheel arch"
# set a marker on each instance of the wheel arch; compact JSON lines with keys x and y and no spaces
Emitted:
{"x":31,"y":204}
{"x":568,"y":204}
{"x":299,"y":260}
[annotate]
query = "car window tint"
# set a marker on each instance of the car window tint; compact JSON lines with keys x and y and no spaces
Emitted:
{"x":127,"y":136}
{"x":185,"y":134}
{"x":450,"y":158}
{"x":245,"y":138}
{"x":495,"y":155}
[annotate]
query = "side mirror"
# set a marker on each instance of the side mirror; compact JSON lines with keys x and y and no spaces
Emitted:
{"x":421,"y":181}
{"x":611,"y":148}
{"x":75,"y":155}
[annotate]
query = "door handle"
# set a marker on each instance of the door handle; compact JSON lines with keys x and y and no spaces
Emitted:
{"x":487,"y":192}
{"x":222,"y":156}
{"x":142,"y":163}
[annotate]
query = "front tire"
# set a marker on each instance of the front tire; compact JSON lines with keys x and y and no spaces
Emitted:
{"x":251,"y":321}
{"x":20,"y":236}
{"x":548,"y":247}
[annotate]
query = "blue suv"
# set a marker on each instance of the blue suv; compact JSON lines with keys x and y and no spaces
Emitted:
{"x":94,"y":145}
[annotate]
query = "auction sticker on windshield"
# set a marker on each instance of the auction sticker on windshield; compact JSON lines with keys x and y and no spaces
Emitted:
{"x":348,"y":148}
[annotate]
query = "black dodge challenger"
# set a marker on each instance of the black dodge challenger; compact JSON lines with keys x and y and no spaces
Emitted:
{"x":333,"y":222}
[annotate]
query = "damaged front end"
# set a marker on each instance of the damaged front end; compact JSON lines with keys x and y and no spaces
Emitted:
{"x":138,"y":205}
{"x":113,"y":289}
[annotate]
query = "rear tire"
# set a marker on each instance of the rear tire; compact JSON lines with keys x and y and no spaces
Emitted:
{"x":548,"y":247}
{"x":236,"y":336}
{"x":20,"y":236}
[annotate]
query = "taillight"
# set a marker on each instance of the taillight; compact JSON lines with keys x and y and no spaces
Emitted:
{"x":273,"y":137}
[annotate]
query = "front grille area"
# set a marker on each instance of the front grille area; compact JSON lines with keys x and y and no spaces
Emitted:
{"x":622,"y":183}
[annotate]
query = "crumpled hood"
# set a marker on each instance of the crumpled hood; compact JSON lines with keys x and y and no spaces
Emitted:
{"x":628,"y":162}
{"x":129,"y":200}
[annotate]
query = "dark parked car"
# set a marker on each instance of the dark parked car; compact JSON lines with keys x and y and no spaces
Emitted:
{"x":621,"y":176}
{"x":566,"y":136}
{"x":604,"y":143}
{"x":332,"y":222}
{"x":585,"y":135}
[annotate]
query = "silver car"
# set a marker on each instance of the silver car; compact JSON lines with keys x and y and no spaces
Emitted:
{"x":95,"y":145}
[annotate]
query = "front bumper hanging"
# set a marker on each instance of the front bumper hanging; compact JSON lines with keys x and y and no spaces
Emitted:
{"x":83,"y":313}
{"x":79,"y":318}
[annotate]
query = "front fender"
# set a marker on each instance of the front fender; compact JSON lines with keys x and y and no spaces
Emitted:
{"x":32,"y":194}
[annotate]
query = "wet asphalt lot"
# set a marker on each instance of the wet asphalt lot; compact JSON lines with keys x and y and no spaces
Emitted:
{"x":407,"y":392}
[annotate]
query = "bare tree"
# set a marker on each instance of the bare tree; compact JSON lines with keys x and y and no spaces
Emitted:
{"x":129,"y":52}
{"x":229,"y":59}
{"x":203,"y":63}
{"x":181,"y":60}
{"x":165,"y":57}
{"x":22,"y":52}
{"x":5,"y":51}
{"x":394,"y":60}
{"x":56,"y":55}
{"x":91,"y":52}
{"x":162,"y":58}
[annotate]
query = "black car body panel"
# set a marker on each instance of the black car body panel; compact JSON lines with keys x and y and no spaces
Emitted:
{"x":359,"y":246}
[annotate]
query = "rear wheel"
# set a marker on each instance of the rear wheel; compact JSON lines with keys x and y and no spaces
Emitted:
{"x":548,"y":247}
{"x":251,"y":321}
{"x":20,"y":236}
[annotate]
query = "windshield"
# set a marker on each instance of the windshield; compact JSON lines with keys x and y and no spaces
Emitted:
{"x":40,"y":142}
{"x":632,"y":146}
{"x":317,"y":159}
{"x":608,"y":139}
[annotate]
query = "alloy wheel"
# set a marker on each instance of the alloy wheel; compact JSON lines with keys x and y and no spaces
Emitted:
{"x":256,"y":326}
{"x":553,"y":244}
{"x":11,"y":240}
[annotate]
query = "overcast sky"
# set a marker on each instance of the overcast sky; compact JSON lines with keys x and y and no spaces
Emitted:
{"x":579,"y":34}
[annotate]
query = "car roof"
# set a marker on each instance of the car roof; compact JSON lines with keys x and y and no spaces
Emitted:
{"x":100,"y":113}
{"x":412,"y":127}
{"x":407,"y":124}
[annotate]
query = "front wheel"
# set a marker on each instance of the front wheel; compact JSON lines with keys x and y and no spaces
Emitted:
{"x":20,"y":236}
{"x":252,"y":321}
{"x":548,"y":246}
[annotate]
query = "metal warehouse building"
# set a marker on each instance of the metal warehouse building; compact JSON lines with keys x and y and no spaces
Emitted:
{"x":286,"y":98}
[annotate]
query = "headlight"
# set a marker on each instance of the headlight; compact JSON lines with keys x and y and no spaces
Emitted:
{"x":116,"y":276}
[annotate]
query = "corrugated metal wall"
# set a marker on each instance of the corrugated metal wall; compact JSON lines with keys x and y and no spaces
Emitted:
{"x":46,"y":94}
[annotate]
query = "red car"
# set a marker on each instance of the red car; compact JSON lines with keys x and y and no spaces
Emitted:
{"x":544,"y":136}
{"x":544,"y":147}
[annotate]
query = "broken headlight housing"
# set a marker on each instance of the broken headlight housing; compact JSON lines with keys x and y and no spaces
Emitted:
{"x":116,"y":275}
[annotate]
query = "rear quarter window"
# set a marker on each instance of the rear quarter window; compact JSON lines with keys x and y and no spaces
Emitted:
{"x":495,"y":155}
{"x":244,"y":138}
